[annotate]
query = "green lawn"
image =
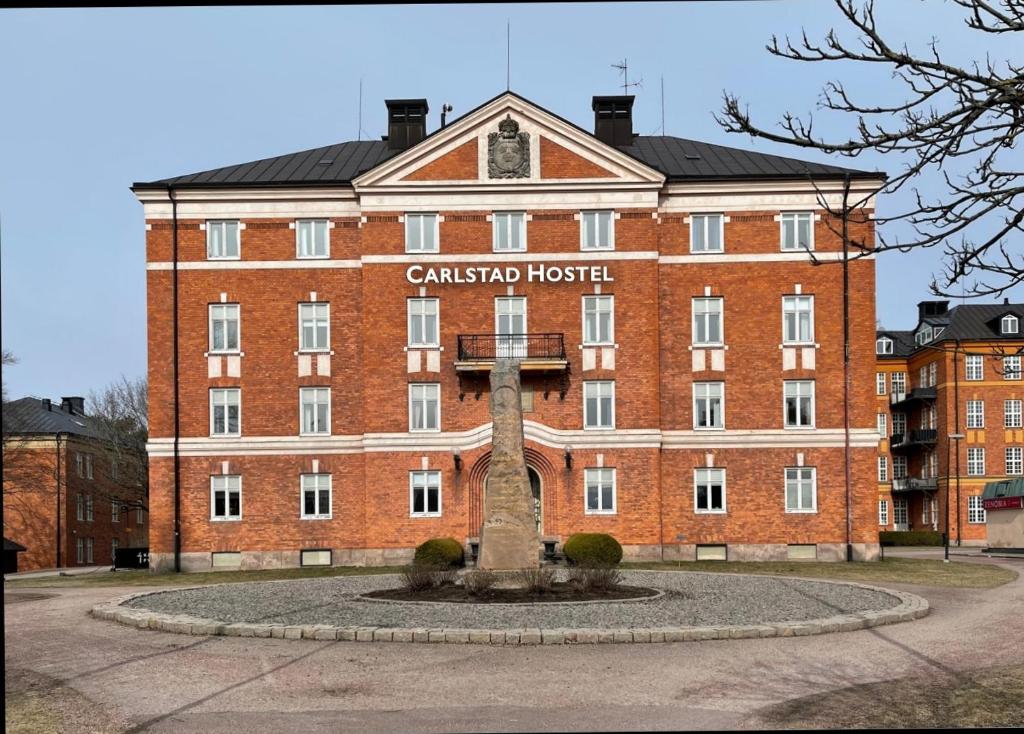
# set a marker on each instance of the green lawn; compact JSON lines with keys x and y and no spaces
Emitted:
{"x":924,"y":572}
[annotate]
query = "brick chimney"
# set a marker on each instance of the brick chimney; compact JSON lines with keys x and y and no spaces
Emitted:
{"x":613,"y":119}
{"x":407,"y":122}
{"x":73,"y":405}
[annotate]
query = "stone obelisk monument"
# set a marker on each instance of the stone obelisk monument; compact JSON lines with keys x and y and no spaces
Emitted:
{"x":508,"y":539}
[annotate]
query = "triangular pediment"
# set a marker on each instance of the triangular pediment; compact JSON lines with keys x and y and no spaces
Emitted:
{"x":509,"y":142}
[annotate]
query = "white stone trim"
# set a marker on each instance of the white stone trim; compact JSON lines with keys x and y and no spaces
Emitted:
{"x":255,"y":265}
{"x":579,"y":256}
{"x":763,"y":257}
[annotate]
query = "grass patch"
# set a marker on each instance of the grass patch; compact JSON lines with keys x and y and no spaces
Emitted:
{"x":981,"y":698}
{"x":145,"y":578}
{"x":920,"y":571}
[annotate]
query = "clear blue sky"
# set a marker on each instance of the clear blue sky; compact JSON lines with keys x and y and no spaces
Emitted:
{"x":95,"y":99}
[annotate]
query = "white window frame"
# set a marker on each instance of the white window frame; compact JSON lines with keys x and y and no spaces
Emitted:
{"x":1009,"y":324}
{"x":1011,"y":367}
{"x":880,"y":383}
{"x":140,"y":516}
{"x":597,"y":311}
{"x":115,"y":511}
{"x":311,"y":223}
{"x":884,"y":345}
{"x":238,"y":327}
{"x":588,"y":386}
{"x":898,"y":382}
{"x":721,"y":407}
{"x":707,"y":472}
{"x":80,"y":464}
{"x":420,"y":217}
{"x":326,"y":348}
{"x":89,"y":515}
{"x":799,"y":396}
{"x":975,"y":510}
{"x":799,"y":509}
{"x":504,"y":219}
{"x":88,"y":466}
{"x":975,"y":413}
{"x":320,"y":515}
{"x":88,"y":550}
{"x":1014,"y":456}
{"x":80,"y":507}
{"x":509,"y":347}
{"x":602,"y":473}
{"x":704,"y":244}
{"x":225,"y":391}
{"x":305,"y":392}
{"x":435,"y":341}
{"x":899,"y":423}
{"x":795,"y":217}
{"x":900,"y":509}
{"x":883,"y":469}
{"x":697,"y":316}
{"x":426,"y":402}
{"x":883,"y":513}
{"x":1012,"y":414}
{"x":976,"y":461}
{"x":595,"y":213}
{"x":211,"y":225}
{"x":899,"y":467}
{"x":883,"y":425}
{"x":974,"y":367}
{"x":227,"y":490}
{"x":427,"y":473}
{"x":80,"y":550}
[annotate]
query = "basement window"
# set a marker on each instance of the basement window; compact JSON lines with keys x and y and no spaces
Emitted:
{"x":315,"y":557}
{"x":226,"y":559}
{"x":804,"y":552}
{"x":712,"y":552}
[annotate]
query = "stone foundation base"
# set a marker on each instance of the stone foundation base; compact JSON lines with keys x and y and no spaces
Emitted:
{"x":255,"y":560}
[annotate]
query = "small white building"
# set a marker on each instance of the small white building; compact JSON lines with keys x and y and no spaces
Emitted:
{"x":1004,"y":513}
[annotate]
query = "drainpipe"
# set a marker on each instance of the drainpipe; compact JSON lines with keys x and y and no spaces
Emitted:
{"x":59,"y":507}
{"x":846,"y":366}
{"x":177,"y":412}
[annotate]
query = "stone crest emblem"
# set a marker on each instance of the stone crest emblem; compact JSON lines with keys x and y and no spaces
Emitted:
{"x":508,"y":151}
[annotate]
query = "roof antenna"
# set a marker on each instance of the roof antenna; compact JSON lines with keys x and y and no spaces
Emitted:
{"x":662,"y":104}
{"x":359,"y":134}
{"x":445,"y":109}
{"x":508,"y":55}
{"x":624,"y":70}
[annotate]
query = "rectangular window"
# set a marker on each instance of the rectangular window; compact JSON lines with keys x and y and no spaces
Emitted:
{"x":88,"y":466}
{"x":115,"y":511}
{"x":223,"y":327}
{"x":708,"y":405}
{"x":899,"y":424}
{"x":312,"y":238}
{"x":709,"y":490}
{"x":976,"y":462}
{"x":140,"y":516}
{"x":421,"y":233}
{"x":883,"y":469}
{"x":509,"y":231}
{"x":80,"y":550}
{"x":425,"y":406}
{"x":933,"y":368}
{"x":707,"y":322}
{"x":899,"y":382}
{"x":314,"y":327}
{"x":883,"y":513}
{"x":226,"y":497}
{"x":226,"y":412}
{"x":425,"y":494}
{"x":80,"y":465}
{"x":900,"y":515}
{"x":899,"y":467}
{"x":315,"y":557}
{"x":600,"y":489}
{"x":974,"y":365}
{"x":315,"y":407}
{"x":799,"y":403}
{"x":1011,"y":368}
{"x":975,"y":413}
{"x":883,"y":425}
{"x":80,"y":505}
{"x":597,"y":230}
{"x":88,"y":550}
{"x":222,"y":239}
{"x":706,"y":232}
{"x":1012,"y":413}
{"x":798,"y":319}
{"x":879,"y":383}
{"x":510,"y":326}
{"x":316,"y":496}
{"x":424,"y":330}
{"x":113,"y":551}
{"x":1014,"y":464}
{"x":801,"y":490}
{"x":797,"y":230}
{"x":599,"y":404}
{"x":88,"y":508}
{"x":975,"y":510}
{"x":598,"y":320}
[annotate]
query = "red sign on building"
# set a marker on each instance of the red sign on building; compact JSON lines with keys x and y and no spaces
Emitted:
{"x":1003,"y":503}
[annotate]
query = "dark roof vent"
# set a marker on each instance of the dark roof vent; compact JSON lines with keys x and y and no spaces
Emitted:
{"x":73,"y":405}
{"x":407,"y":122}
{"x":931,"y":308}
{"x":613,"y":119}
{"x":46,"y":403}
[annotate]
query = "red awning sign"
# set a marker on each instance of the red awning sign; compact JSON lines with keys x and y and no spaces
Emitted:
{"x":1003,"y":503}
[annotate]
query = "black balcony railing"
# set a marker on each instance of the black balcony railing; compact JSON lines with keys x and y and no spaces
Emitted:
{"x":908,"y":484}
{"x":918,"y":393}
{"x":916,"y":437}
{"x":489,"y":347}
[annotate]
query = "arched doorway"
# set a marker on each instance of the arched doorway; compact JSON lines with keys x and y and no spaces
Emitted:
{"x":538,"y":504}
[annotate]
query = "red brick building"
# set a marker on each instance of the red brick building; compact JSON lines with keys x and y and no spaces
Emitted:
{"x":321,"y":326}
{"x":957,"y":373}
{"x":64,"y":500}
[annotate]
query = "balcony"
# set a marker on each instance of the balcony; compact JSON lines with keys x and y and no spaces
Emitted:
{"x":917,"y":437}
{"x":917,"y":394}
{"x":911,"y":484}
{"x":535,"y":352}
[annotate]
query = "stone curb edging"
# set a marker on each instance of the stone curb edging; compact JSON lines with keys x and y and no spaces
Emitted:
{"x":658,"y":593}
{"x":911,"y":607}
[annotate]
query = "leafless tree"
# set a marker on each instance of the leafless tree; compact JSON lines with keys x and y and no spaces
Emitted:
{"x":119,"y":413}
{"x":962,"y":121}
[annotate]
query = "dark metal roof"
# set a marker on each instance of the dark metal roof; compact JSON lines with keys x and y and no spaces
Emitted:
{"x":678,"y":158}
{"x":981,"y":321}
{"x":902,"y":346}
{"x":1003,"y":488}
{"x":30,"y":416}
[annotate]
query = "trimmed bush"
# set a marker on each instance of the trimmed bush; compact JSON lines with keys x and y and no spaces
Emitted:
{"x":592,"y":549}
{"x":910,"y":537}
{"x":445,"y":552}
{"x":537,"y":580}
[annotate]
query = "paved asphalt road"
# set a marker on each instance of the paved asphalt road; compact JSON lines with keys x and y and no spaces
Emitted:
{"x":160,"y":682}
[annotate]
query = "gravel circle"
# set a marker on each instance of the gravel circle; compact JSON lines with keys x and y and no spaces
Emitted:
{"x":690,"y":599}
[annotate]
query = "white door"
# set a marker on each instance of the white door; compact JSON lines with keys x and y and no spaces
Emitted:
{"x":510,"y":325}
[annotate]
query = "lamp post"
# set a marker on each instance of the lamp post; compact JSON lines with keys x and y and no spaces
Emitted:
{"x":951,"y":437}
